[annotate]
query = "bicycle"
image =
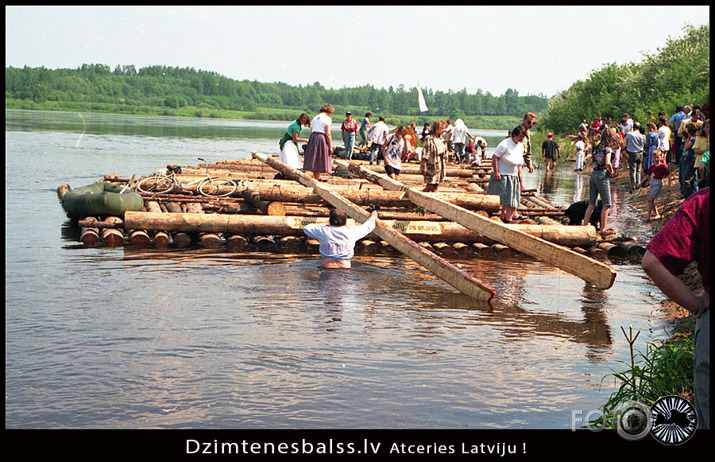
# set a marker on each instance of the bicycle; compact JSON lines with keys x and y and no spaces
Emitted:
{"x":166,"y":182}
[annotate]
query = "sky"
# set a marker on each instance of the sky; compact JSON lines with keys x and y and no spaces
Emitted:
{"x":538,"y":50}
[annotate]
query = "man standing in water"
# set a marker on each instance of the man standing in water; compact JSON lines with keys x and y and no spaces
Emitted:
{"x":528,"y":122}
{"x":549,"y":150}
{"x":337,"y":241}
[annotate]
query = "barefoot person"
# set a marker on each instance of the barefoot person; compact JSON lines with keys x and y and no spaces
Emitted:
{"x":507,"y":178}
{"x":654,"y":178}
{"x":599,"y":184}
{"x":434,"y":157}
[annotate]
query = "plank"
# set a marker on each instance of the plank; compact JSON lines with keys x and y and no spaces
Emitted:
{"x":582,"y":266}
{"x":440,"y":267}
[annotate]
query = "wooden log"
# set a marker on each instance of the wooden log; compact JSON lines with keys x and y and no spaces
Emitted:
{"x":207,"y":240}
{"x":89,"y":236}
{"x":161,"y":238}
{"x":463,"y":249}
{"x":236,"y":242}
{"x":367,"y":247}
{"x":299,"y":193}
{"x":579,"y":265}
{"x":111,"y":236}
{"x":139,"y":237}
{"x":263,"y":243}
{"x":419,"y":230}
{"x":437,"y":265}
{"x":415,"y":170}
{"x":503,"y":251}
{"x":173,"y":207}
{"x":313,"y":246}
{"x":292,"y":244}
{"x":274,"y":208}
{"x":307,"y":210}
{"x":483,"y":250}
{"x":182,"y":238}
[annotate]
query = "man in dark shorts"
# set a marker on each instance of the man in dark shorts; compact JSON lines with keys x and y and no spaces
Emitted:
{"x":550,"y":150}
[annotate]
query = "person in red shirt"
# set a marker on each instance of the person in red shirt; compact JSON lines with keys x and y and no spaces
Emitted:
{"x":349,"y":130}
{"x":654,"y":177}
{"x":684,"y":239}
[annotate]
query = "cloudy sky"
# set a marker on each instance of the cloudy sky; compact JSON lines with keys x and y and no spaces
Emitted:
{"x":532,"y":49}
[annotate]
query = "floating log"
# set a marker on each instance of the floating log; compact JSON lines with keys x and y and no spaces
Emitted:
{"x":111,"y":236}
{"x":236,"y":242}
{"x":139,"y":237}
{"x":437,"y":265}
{"x":89,"y":236}
{"x":579,"y":265}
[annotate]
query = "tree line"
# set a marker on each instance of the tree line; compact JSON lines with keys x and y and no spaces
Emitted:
{"x":676,"y":74}
{"x":176,"y":87}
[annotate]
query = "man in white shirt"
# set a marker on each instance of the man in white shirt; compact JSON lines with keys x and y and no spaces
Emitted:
{"x":337,"y":241}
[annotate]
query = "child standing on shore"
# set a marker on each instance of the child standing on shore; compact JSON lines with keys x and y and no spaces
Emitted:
{"x":654,"y":176}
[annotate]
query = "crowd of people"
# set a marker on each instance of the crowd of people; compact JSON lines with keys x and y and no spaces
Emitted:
{"x":652,"y":151}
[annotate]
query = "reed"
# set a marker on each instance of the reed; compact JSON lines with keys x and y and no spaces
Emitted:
{"x":664,"y":369}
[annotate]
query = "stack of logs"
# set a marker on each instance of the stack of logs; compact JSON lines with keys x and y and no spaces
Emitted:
{"x":273,"y":211}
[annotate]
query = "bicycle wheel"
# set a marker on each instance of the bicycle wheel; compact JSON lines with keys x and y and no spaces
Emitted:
{"x":217,"y":187}
{"x":155,"y":184}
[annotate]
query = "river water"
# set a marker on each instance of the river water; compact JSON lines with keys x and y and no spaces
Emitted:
{"x":139,"y":339}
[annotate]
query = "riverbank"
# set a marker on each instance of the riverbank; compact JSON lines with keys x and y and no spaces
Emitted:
{"x":262,"y":113}
{"x":668,"y":203}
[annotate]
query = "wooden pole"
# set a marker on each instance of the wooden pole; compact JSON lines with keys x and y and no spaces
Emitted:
{"x":588,"y":269}
{"x":437,"y":265}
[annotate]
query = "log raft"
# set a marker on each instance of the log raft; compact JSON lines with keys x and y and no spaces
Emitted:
{"x":277,"y":206}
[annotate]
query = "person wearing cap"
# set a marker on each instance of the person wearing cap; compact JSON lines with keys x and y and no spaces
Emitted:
{"x":349,"y":130}
{"x":549,"y":150}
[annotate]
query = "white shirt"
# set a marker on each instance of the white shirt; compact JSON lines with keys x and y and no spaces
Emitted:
{"x":338,"y":242}
{"x":320,"y":122}
{"x":664,"y":137}
{"x":580,"y":146}
{"x":378,"y":132}
{"x":510,"y":155}
{"x":459,"y":132}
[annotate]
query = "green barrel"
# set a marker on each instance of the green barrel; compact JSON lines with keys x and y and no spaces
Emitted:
{"x":100,"y":199}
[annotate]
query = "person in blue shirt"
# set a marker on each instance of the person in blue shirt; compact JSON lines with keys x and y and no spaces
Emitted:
{"x":674,"y":121}
{"x":337,"y":241}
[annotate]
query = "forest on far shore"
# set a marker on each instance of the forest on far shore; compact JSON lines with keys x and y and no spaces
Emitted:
{"x":186,"y":91}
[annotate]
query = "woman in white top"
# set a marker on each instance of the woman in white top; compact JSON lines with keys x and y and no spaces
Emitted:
{"x":663,"y":135}
{"x":318,"y":157}
{"x":394,"y":148}
{"x":507,"y":175}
